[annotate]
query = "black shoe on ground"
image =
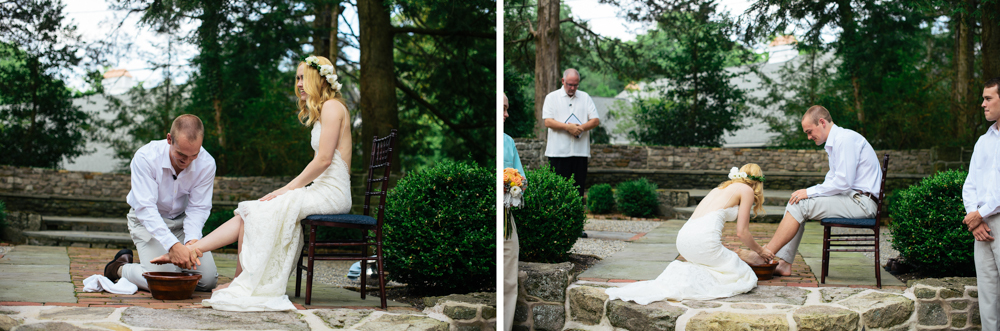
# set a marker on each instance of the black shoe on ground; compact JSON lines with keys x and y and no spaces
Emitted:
{"x":123,"y":257}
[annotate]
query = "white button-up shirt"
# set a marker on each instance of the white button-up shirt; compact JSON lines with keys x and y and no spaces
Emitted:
{"x":558,"y":106}
{"x":980,"y":189}
{"x":853,"y":165}
{"x":156,"y":194}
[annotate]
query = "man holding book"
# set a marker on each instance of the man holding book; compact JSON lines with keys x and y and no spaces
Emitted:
{"x":569,"y":116}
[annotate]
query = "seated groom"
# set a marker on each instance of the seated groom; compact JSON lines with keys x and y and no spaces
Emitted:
{"x":848,"y":191}
{"x":171,"y":199}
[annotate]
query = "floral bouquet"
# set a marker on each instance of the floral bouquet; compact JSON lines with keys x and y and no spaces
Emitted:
{"x":513,"y":191}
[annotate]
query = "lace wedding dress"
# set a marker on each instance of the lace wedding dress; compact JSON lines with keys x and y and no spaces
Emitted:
{"x":712,"y":271}
{"x":272,"y":238}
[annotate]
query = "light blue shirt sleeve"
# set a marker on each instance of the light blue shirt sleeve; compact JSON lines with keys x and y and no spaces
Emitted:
{"x":510,"y":157}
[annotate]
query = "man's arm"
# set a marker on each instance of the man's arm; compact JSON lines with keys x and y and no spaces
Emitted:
{"x":843,"y":170}
{"x":199,"y":204}
{"x":593,"y":118}
{"x":142,"y":199}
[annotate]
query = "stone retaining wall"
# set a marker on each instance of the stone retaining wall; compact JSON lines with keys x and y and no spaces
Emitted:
{"x":473,"y":311}
{"x":544,"y":303}
{"x":94,"y":194}
{"x":702,"y":167}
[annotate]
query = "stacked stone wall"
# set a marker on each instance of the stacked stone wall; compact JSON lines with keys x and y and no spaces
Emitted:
{"x":94,"y":194}
{"x":947,"y":304}
{"x":541,"y":296}
{"x":703,"y":167}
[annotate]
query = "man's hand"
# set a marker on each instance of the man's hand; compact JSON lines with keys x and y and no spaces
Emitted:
{"x":766,"y":254}
{"x":574,"y":129}
{"x":182,"y":257}
{"x":798,"y":196}
{"x":982,"y":232}
{"x":973,"y":220}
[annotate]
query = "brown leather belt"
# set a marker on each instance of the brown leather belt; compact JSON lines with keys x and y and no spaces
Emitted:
{"x":872,"y":196}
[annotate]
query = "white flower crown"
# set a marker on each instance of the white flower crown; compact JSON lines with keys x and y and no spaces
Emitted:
{"x":325,"y":70}
{"x":735,"y":173}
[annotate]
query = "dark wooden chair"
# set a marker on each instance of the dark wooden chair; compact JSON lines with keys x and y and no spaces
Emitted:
{"x":383,"y":150}
{"x":860,"y":242}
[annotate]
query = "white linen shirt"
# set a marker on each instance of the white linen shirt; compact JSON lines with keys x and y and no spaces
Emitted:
{"x":558,"y":106}
{"x":156,"y":195}
{"x":980,"y":189}
{"x":853,"y":165}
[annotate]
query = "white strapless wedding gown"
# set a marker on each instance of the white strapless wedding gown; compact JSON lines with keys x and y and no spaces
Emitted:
{"x":712,"y":271}
{"x":272,"y":238}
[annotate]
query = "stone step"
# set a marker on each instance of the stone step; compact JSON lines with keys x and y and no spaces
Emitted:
{"x":93,"y":239}
{"x":67,"y":223}
{"x":773,"y":214}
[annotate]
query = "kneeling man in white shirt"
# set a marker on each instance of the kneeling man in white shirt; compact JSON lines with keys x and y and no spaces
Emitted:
{"x":171,"y":198}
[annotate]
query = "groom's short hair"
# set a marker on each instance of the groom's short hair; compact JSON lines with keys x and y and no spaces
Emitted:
{"x":189,"y":126}
{"x":817,"y":112}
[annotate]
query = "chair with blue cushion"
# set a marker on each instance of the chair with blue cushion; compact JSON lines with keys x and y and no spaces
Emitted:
{"x":383,"y":151}
{"x":856,"y":242}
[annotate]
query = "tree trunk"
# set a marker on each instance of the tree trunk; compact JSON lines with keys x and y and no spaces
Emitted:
{"x":991,"y":39}
{"x":212,"y":69}
{"x":379,"y":112}
{"x":546,"y":58}
{"x":325,"y":30}
{"x":963,"y":66}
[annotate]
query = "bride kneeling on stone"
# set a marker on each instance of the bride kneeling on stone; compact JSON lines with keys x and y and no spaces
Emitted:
{"x":711,"y":270}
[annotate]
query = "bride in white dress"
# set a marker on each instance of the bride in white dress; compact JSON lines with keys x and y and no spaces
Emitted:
{"x":267,"y":230}
{"x":711,"y":270}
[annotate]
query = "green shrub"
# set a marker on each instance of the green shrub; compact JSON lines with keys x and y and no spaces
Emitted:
{"x":3,"y":215}
{"x":552,"y":217}
{"x":216,"y":219}
{"x":600,"y":199}
{"x":927,"y":227}
{"x":636,"y":198}
{"x":440,"y":229}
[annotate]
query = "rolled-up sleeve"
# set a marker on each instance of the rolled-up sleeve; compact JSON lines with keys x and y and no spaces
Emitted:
{"x":143,"y":197}
{"x":199,"y":204}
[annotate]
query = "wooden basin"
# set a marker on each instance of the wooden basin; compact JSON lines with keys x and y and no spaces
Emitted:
{"x":171,"y":285}
{"x":764,"y":271}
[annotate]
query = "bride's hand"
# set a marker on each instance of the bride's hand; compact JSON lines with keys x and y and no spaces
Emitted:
{"x":274,"y":194}
{"x":766,"y":254}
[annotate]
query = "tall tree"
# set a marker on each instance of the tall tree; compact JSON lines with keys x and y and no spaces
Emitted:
{"x":39,"y":125}
{"x":379,"y":109}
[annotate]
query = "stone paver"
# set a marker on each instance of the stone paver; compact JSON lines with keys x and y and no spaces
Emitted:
{"x":36,"y":274}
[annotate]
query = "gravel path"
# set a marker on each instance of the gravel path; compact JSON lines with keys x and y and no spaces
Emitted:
{"x":331,"y":273}
{"x":620,"y":226}
{"x":598,"y":247}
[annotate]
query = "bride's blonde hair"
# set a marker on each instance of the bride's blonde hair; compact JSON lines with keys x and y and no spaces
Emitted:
{"x":319,"y":91}
{"x":751,"y":169}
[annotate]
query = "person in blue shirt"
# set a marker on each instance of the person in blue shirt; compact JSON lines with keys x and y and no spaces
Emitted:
{"x":510,"y":245}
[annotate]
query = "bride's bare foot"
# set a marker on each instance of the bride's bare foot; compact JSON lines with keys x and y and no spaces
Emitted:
{"x":748,"y":256}
{"x":783,"y":269}
{"x":163,"y":259}
{"x":221,"y":286}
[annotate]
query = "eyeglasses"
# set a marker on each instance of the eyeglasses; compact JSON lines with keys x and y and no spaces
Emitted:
{"x":573,"y":85}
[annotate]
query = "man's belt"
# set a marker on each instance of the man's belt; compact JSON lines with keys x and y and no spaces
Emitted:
{"x":872,"y":196}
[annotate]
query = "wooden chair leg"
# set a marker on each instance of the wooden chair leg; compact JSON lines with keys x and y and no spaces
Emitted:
{"x":381,"y":275}
{"x":878,"y":264}
{"x":364,"y":275}
{"x":826,"y":254}
{"x":298,"y":274}
{"x":311,"y":260}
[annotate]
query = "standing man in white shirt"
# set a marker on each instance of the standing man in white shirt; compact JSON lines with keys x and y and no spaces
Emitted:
{"x":848,"y":191}
{"x":569,"y":116}
{"x":171,"y":198}
{"x":980,"y":197}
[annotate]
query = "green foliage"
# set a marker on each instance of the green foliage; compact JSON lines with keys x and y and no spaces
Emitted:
{"x":440,"y":229}
{"x":700,"y":102}
{"x":600,"y":199}
{"x":39,"y":125}
{"x":3,"y":215}
{"x":927,"y":227}
{"x":636,"y":198}
{"x":552,"y":217}
{"x":520,"y":98}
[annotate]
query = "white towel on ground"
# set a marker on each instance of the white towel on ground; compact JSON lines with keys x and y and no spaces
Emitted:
{"x":97,"y":283}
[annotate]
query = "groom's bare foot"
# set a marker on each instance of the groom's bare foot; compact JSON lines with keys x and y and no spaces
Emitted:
{"x":783,"y":269}
{"x":223,"y":286}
